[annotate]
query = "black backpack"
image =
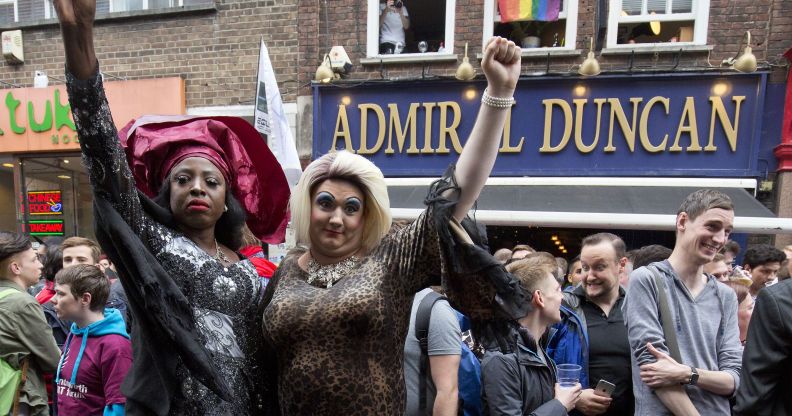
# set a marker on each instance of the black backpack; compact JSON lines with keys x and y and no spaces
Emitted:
{"x":422,"y":317}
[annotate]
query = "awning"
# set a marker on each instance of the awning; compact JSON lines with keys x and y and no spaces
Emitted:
{"x":609,"y":203}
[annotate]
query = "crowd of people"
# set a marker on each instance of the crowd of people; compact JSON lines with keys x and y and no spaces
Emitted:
{"x":175,"y":309}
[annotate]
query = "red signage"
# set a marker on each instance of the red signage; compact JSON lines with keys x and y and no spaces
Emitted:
{"x":45,"y":203}
{"x":54,"y":227}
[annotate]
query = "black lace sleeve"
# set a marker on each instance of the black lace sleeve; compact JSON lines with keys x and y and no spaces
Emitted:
{"x":103,"y":156}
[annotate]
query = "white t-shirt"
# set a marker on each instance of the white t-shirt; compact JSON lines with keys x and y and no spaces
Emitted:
{"x":392,"y":30}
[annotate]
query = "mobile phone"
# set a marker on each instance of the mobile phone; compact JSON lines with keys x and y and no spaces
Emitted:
{"x":605,"y":388}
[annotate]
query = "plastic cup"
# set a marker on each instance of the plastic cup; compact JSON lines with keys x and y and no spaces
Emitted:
{"x":568,"y":375}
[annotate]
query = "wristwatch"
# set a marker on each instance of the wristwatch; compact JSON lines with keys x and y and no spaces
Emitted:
{"x":694,"y":376}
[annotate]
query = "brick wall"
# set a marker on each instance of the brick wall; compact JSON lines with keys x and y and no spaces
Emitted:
{"x":729,"y":19}
{"x":216,"y":52}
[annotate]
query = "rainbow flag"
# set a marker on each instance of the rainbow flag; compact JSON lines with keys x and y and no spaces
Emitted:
{"x":516,"y":10}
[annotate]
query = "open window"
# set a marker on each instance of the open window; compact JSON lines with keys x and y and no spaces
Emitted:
{"x":410,"y":28}
{"x":533,"y":34}
{"x":633,"y":23}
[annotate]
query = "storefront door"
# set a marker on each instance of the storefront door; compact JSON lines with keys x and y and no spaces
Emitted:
{"x":55,"y":196}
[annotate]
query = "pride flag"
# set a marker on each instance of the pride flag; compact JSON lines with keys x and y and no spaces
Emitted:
{"x":515,"y":10}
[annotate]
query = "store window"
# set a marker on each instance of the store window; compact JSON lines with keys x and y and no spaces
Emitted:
{"x":410,"y":28}
{"x":56,"y":197}
{"x":558,"y":34}
{"x":633,"y":23}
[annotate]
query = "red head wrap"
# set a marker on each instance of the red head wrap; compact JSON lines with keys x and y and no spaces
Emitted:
{"x":154,"y":144}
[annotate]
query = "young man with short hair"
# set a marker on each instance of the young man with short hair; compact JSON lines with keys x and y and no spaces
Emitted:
{"x":24,"y":332}
{"x":763,"y":263}
{"x":718,"y":268}
{"x":79,"y":250}
{"x":592,"y":332}
{"x":702,"y":313}
{"x":97,"y":354}
{"x":523,"y":381}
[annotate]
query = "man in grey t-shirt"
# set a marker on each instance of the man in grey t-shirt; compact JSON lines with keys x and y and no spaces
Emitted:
{"x":703,"y":313}
{"x":445,"y":349}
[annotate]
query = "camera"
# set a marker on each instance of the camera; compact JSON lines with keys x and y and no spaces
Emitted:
{"x":398,"y":4}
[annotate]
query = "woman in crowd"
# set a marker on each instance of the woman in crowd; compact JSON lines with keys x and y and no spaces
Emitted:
{"x":337,"y":312}
{"x":745,"y":306}
{"x":195,"y":302}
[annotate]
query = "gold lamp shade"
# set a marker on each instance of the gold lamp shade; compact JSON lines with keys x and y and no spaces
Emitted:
{"x":324,"y":73}
{"x":590,"y":67}
{"x":465,"y":72}
{"x":747,"y":61}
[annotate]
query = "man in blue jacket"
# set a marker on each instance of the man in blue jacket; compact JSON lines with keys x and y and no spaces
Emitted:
{"x":592,"y":333}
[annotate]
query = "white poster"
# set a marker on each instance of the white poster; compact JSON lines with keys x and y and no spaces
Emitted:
{"x":271,"y":121}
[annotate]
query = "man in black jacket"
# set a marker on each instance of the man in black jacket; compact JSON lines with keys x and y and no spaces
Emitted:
{"x":767,"y":360}
{"x":522,"y":381}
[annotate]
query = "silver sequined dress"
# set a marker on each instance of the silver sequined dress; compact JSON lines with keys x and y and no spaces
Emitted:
{"x":223,"y":299}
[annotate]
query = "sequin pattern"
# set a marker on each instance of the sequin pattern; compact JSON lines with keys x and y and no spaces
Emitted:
{"x":223,"y":297}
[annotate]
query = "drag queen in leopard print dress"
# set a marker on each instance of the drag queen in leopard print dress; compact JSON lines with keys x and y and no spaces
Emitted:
{"x":337,"y":311}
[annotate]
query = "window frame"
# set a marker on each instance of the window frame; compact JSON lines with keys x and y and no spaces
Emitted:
{"x":570,"y":13}
{"x":16,"y":8}
{"x":699,"y":14}
{"x":373,"y":29}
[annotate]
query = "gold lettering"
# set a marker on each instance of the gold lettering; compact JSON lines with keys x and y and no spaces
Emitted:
{"x":647,"y":144}
{"x":446,"y":130}
{"x":728,"y":128}
{"x":506,"y":147}
{"x":364,"y":108}
{"x":579,"y":104}
{"x":617,"y":113}
{"x":343,"y":122}
{"x":410,"y":124}
{"x":549,"y":103}
{"x":427,"y":148}
{"x":691,"y":127}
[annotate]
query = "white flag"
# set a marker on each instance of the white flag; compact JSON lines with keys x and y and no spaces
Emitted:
{"x":270,"y":120}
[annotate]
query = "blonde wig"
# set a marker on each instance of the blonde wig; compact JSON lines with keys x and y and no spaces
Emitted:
{"x":353,"y":168}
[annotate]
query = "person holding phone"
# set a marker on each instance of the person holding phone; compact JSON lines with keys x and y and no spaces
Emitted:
{"x":592,"y":333}
{"x":394,"y":20}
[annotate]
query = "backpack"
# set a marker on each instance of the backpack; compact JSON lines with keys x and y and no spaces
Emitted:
{"x":11,"y":380}
{"x":469,"y":385}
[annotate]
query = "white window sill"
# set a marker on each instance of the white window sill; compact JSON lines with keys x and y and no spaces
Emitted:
{"x":409,"y":58}
{"x":537,"y":53}
{"x":655,"y":48}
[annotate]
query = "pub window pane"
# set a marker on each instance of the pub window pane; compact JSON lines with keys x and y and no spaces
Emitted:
{"x":534,"y":33}
{"x":427,"y":30}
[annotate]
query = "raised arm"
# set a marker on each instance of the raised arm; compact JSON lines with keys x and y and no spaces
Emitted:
{"x":103,"y":156}
{"x":501,"y":66}
{"x":76,"y":19}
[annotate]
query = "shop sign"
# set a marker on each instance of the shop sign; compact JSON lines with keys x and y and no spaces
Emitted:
{"x":44,"y":203}
{"x":39,"y":119}
{"x":669,"y":125}
{"x":46,"y":228}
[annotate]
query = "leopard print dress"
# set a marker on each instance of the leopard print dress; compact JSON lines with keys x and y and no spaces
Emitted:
{"x":340,"y":349}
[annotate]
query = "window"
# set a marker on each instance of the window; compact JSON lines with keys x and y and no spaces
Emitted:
{"x":430,"y":31}
{"x":632,"y":23}
{"x":559,"y":34}
{"x":8,"y":11}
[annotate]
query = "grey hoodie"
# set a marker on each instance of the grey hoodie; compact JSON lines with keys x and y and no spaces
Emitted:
{"x":706,"y":329}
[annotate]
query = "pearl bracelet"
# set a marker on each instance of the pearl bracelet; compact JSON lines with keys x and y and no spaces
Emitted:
{"x":496,"y":102}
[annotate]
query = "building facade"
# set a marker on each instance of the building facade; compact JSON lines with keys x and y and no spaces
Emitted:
{"x":212,"y":47}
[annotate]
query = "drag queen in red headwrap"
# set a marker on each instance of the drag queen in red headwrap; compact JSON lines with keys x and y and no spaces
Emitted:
{"x":170,"y":199}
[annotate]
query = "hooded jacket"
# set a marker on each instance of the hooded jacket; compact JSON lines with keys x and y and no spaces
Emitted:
{"x":94,"y":362}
